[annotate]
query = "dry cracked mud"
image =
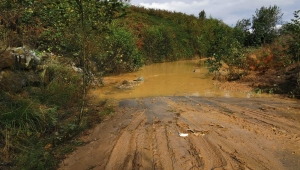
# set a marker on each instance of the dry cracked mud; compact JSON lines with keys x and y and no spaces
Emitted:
{"x":223,"y":133}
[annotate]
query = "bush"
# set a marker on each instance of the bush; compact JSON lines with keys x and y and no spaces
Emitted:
{"x":24,"y":115}
{"x":158,"y":46}
{"x":219,"y":45}
{"x":35,"y":156}
{"x":118,"y":52}
{"x":64,"y":87}
{"x":22,"y":120}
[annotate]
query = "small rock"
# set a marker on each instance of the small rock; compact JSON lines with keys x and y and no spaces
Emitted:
{"x":139,"y":79}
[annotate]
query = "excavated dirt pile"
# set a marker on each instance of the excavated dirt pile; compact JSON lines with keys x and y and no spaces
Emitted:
{"x":194,"y":133}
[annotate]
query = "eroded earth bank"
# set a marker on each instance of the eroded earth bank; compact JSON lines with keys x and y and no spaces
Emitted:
{"x":224,"y":133}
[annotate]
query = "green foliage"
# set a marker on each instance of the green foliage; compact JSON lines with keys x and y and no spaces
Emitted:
{"x":263,"y":27}
{"x":242,"y":32}
{"x":22,"y":120}
{"x":218,"y":43}
{"x":202,"y":15}
{"x":107,"y":111}
{"x":235,"y":57}
{"x":118,"y":52}
{"x":64,"y":88}
{"x":30,"y":130}
{"x":208,"y":39}
{"x":157,"y":44}
{"x":264,"y":24}
{"x":293,"y":31}
{"x":54,"y":25}
{"x":21,"y":115}
{"x":34,"y":156}
{"x":163,"y":35}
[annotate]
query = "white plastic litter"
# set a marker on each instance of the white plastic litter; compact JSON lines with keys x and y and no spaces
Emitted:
{"x":183,"y":134}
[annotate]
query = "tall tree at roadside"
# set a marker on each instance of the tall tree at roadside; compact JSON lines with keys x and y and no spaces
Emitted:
{"x":202,"y":15}
{"x":92,"y":14}
{"x":264,"y":24}
{"x":293,"y":30}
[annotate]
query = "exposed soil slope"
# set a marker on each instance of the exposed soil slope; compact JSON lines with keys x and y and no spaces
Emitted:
{"x":227,"y":133}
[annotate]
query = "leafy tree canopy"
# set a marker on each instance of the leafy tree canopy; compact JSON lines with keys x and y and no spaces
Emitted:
{"x":293,"y":30}
{"x":264,"y":24}
{"x":202,"y":15}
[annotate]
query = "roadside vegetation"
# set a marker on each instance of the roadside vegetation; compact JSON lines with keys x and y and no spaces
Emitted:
{"x":40,"y":122}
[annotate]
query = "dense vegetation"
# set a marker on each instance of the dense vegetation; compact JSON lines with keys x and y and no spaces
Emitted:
{"x":111,"y":37}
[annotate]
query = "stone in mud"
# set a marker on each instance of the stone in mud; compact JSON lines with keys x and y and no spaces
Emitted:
{"x":139,"y":79}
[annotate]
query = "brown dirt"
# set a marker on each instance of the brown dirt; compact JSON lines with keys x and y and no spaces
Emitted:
{"x":234,"y":86}
{"x":284,"y":81}
{"x":229,"y":133}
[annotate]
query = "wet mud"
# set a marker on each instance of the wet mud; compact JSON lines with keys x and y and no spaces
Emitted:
{"x":223,"y":133}
{"x":181,"y":78}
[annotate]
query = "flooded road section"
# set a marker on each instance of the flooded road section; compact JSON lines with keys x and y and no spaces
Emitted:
{"x":182,"y":78}
{"x":187,"y":126}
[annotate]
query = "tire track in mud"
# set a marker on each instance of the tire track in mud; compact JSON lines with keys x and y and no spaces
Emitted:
{"x":223,"y":134}
{"x":214,"y":158}
{"x":124,"y":150}
{"x":243,"y":122}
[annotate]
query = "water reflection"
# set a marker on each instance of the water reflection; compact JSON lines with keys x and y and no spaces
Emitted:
{"x":187,"y":78}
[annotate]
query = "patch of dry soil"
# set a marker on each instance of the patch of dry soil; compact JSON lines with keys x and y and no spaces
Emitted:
{"x":225,"y":133}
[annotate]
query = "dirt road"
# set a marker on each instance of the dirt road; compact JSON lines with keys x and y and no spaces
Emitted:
{"x":225,"y":133}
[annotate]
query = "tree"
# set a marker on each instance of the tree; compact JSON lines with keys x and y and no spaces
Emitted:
{"x":293,"y":30}
{"x":202,"y":15}
{"x":242,"y":31}
{"x":92,"y":14}
{"x":264,"y":24}
{"x":244,"y":24}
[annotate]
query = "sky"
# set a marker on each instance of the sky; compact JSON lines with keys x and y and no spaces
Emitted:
{"x":229,"y":11}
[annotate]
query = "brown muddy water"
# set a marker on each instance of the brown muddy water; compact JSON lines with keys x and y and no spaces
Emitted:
{"x":167,"y":79}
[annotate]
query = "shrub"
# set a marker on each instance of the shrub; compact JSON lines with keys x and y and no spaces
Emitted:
{"x":158,"y":46}
{"x":118,"y":52}
{"x":64,"y":87}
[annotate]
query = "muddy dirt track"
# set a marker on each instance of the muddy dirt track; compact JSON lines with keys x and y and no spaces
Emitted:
{"x":225,"y":133}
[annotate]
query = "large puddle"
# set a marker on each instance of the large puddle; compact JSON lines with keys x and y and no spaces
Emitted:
{"x":167,"y":79}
